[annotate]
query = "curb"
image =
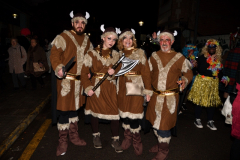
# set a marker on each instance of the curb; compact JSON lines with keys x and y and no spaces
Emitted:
{"x":22,"y":126}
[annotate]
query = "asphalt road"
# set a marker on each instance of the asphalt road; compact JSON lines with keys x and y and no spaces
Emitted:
{"x":191,"y":143}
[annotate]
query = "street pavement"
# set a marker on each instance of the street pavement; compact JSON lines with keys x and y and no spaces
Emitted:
{"x":191,"y":143}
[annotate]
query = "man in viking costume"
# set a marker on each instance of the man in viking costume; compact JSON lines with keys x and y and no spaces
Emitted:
{"x":69,"y":90}
{"x":166,"y":67}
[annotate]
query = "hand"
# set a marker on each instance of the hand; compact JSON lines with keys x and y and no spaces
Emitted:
{"x":111,"y":71}
{"x":214,"y":57}
{"x":148,"y":98}
{"x":90,"y":93}
{"x":89,"y":75}
{"x":194,"y":62}
{"x":60,"y":73}
{"x":182,"y":82}
{"x":225,"y":82}
{"x":40,"y":64}
{"x":154,"y":35}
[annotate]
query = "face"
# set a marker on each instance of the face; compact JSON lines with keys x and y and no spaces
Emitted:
{"x":33,"y":43}
{"x":127,"y":41}
{"x":13,"y":42}
{"x":165,"y":43}
{"x":212,"y":51}
{"x":109,"y":41}
{"x":79,"y":26}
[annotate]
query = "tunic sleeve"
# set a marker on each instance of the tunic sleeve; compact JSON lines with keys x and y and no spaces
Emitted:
{"x":145,"y":72}
{"x":87,"y":64}
{"x":59,"y":46}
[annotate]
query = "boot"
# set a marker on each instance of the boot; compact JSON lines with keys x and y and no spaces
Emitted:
{"x":73,"y":135}
{"x":127,"y":139}
{"x":137,"y":143}
{"x":96,"y":140}
{"x":154,"y":149}
{"x":116,"y":144}
{"x":63,"y":140}
{"x":163,"y":149}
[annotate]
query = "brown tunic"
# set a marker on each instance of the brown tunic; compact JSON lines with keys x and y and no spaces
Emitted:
{"x":65,"y":46}
{"x":103,"y":104}
{"x":165,"y":71}
{"x":132,"y":106}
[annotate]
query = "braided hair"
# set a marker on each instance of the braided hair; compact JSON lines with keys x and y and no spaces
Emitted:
{"x":101,"y":47}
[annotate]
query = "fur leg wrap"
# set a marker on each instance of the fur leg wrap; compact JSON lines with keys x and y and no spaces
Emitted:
{"x":62,"y":127}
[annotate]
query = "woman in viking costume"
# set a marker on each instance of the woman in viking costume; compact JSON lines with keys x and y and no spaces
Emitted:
{"x":130,"y":104}
{"x":204,"y":92}
{"x":103,"y":102}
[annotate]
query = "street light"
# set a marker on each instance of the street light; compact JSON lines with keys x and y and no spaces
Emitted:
{"x":15,"y":15}
{"x":140,"y":24}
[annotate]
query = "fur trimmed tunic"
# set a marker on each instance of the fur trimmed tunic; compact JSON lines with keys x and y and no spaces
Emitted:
{"x":65,"y":46}
{"x":165,"y":71}
{"x":132,"y":106}
{"x":103,"y":103}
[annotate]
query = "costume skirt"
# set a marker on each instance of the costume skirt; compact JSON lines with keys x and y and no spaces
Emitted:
{"x":204,"y":92}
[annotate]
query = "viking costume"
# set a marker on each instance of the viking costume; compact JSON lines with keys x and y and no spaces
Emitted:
{"x":102,"y":104}
{"x":131,"y":106}
{"x":204,"y":92}
{"x":166,"y":68}
{"x":69,"y":90}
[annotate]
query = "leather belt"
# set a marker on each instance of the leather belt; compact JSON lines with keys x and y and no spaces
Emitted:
{"x":98,"y":75}
{"x":132,"y":73}
{"x":73,"y":77}
{"x":168,"y":92}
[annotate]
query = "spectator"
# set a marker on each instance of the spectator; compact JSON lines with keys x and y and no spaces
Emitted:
{"x":17,"y":58}
{"x":36,"y":63}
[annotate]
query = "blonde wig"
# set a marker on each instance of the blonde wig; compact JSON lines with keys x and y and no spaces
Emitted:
{"x":120,"y":40}
{"x":218,"y":49}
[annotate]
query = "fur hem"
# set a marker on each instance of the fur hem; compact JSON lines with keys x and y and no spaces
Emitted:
{"x":126,"y":126}
{"x":88,"y":89}
{"x":59,"y":42}
{"x":137,"y":130}
{"x":148,"y":92}
{"x":130,"y":115}
{"x":186,"y":80}
{"x":102,"y":116}
{"x":57,"y":69}
{"x":164,"y":140}
{"x":96,"y":134}
{"x":62,"y":126}
{"x":115,"y":138}
{"x":73,"y":119}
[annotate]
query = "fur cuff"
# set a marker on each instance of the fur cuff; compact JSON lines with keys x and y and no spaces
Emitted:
{"x":148,"y":92}
{"x":73,"y":120}
{"x":96,"y":134}
{"x":57,"y":69}
{"x":115,"y":138}
{"x":186,"y":80}
{"x":126,"y":126}
{"x":88,"y":89}
{"x":63,"y":126}
{"x":137,"y":130}
{"x":164,"y":140}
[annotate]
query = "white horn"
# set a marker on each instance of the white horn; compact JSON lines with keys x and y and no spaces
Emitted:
{"x":133,"y":31}
{"x":175,"y":33}
{"x":87,"y":15}
{"x":71,"y":14}
{"x":102,"y":28}
{"x":158,"y":33}
{"x":118,"y":31}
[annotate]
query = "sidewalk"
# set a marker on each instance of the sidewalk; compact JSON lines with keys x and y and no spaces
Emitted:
{"x":16,"y":105}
